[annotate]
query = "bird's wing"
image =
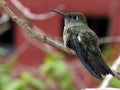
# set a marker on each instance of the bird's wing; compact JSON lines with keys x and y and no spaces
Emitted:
{"x":90,"y":55}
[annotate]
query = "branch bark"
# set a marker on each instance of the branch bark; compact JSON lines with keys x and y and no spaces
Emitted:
{"x":34,"y":34}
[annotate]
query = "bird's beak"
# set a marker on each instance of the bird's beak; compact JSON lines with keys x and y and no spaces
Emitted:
{"x":61,"y":13}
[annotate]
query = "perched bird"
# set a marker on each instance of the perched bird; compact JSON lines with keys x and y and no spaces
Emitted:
{"x":79,"y":37}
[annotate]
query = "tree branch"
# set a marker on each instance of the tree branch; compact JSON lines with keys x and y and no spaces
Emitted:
{"x":34,"y":34}
{"x":109,"y":39}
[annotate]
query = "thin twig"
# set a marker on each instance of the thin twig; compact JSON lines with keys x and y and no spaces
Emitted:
{"x":33,"y":33}
{"x":26,"y":12}
{"x":109,"y":39}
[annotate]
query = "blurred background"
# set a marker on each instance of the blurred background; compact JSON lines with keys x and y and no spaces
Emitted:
{"x":29,"y":64}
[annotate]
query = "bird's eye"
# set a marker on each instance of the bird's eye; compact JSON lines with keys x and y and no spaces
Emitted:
{"x":75,"y":17}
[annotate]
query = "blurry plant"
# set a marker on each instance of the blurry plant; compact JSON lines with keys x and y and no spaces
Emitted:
{"x":108,"y":55}
{"x":107,"y":52}
{"x":4,"y":75}
{"x":56,"y":72}
{"x":35,"y":83}
{"x":54,"y":69}
{"x":6,"y":82}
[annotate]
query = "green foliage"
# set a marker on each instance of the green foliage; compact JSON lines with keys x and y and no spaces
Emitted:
{"x":5,"y":68}
{"x":107,"y":52}
{"x":54,"y":66}
{"x":8,"y":83}
{"x":4,"y":81}
{"x":54,"y":69}
{"x":17,"y":85}
{"x":34,"y":82}
{"x":108,"y":55}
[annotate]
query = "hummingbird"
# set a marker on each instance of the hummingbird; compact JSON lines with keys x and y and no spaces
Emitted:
{"x":84,"y":41}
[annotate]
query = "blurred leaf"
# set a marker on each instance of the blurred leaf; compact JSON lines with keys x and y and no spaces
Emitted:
{"x":17,"y":85}
{"x":54,"y":65}
{"x":4,"y":80}
{"x":6,"y":67}
{"x":56,"y":70}
{"x":36,"y":83}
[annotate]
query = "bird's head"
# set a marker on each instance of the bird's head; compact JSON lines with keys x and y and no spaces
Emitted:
{"x":73,"y":17}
